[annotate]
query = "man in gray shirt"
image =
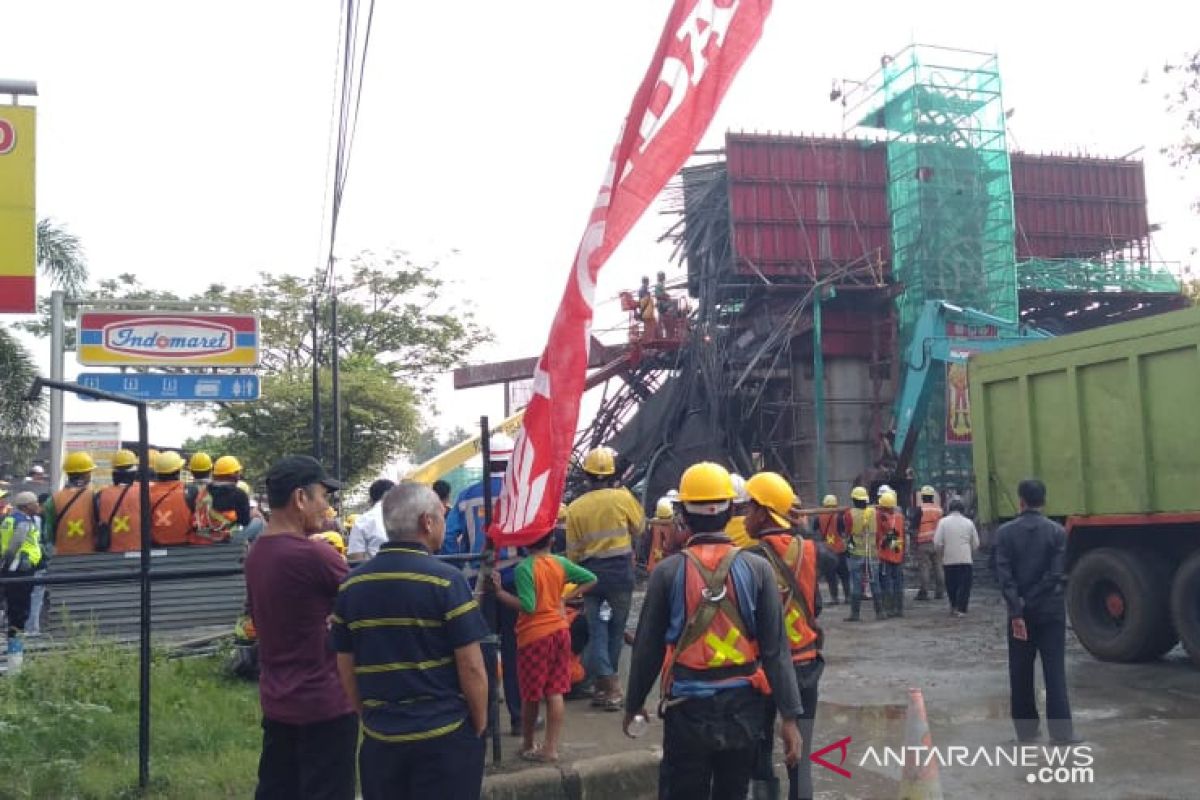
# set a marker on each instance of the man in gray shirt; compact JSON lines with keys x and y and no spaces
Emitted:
{"x":719,"y":609}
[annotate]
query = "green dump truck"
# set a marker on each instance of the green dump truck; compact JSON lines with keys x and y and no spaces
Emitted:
{"x":1110,"y":420}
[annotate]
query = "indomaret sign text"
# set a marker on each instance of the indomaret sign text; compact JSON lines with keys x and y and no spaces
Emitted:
{"x":192,"y":339}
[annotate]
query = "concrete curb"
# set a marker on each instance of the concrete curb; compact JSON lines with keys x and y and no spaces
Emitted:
{"x":629,"y":776}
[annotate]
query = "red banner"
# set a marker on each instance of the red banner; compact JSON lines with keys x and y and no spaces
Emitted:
{"x":700,"y":51}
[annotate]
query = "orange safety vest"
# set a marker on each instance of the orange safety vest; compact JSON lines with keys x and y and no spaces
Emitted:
{"x":209,"y":526}
{"x":75,"y":520}
{"x":795,"y":562}
{"x":827,"y":524}
{"x":889,"y":521}
{"x":931,"y":515}
{"x":120,"y":507}
{"x":170,"y":518}
{"x":714,"y":636}
{"x":660,"y":536}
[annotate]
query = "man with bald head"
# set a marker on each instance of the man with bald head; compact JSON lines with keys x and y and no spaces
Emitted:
{"x":407,"y":629}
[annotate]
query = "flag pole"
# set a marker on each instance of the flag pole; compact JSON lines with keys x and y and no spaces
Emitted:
{"x":490,"y":603}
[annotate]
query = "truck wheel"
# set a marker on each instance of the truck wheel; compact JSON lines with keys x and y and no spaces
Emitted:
{"x":1185,"y":605}
{"x":1118,"y":605}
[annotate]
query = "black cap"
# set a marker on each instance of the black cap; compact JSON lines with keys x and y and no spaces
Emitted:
{"x":295,"y":472}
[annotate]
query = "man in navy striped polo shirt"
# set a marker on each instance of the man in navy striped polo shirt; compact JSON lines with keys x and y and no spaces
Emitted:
{"x":407,"y":629}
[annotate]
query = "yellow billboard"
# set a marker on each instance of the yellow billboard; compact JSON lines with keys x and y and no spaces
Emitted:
{"x":17,"y":220}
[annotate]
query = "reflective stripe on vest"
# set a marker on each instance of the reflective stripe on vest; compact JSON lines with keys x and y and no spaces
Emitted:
{"x":723,"y":642}
{"x":126,"y":526}
{"x":931,"y":515}
{"x":862,"y":531}
{"x":208,"y":524}
{"x":799,"y":557}
{"x":170,"y":517}
{"x":827,"y":524}
{"x":890,"y":550}
{"x":75,"y":520}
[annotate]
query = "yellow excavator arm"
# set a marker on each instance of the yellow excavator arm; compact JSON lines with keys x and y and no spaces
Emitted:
{"x":460,"y":453}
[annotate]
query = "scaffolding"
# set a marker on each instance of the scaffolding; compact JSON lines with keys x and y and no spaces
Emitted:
{"x":950,"y":200}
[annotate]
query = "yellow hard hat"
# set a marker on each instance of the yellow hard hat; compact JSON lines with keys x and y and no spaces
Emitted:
{"x":168,"y":462}
{"x":887,"y":500}
{"x":772,"y":491}
{"x":78,"y":462}
{"x":705,"y":482}
{"x":331,"y":513}
{"x":664,"y":509}
{"x":600,"y":461}
{"x":124,"y":459}
{"x":928,"y":491}
{"x":334,"y":538}
{"x":830,"y":501}
{"x":349,"y":521}
{"x":860,"y":493}
{"x":226,"y":466}
{"x":201,"y":462}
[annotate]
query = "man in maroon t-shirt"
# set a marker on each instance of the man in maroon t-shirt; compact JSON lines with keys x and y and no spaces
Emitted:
{"x":310,"y":729}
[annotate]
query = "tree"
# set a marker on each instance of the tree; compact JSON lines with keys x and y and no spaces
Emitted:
{"x":428,"y":444}
{"x":380,"y":419}
{"x":60,"y":259}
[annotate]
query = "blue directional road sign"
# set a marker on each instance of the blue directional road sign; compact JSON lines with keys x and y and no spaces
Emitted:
{"x":187,"y":388}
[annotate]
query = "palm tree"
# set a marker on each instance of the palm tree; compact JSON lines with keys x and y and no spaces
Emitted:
{"x":60,"y":258}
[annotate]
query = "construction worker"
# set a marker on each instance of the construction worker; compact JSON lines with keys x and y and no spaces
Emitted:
{"x":736,"y":529}
{"x":220,"y":507}
{"x":20,"y":556}
{"x":925,"y":518}
{"x":118,"y":507}
{"x":602,"y":525}
{"x":69,"y":518}
{"x":712,"y":625}
{"x":889,"y":542}
{"x":200,"y":466}
{"x":860,"y":552}
{"x":647,"y":313}
{"x":797,"y":562}
{"x":465,"y":534}
{"x":170,"y":517}
{"x":662,"y":533}
{"x":830,"y":526}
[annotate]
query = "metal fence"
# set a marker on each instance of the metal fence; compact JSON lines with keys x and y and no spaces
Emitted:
{"x":112,"y":609}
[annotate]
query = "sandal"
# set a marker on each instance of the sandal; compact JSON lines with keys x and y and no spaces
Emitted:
{"x":536,"y":755}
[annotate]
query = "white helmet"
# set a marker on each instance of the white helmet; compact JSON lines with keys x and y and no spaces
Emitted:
{"x":740,"y":495}
{"x":672,"y":496}
{"x":884,"y":489}
{"x":500,"y":446}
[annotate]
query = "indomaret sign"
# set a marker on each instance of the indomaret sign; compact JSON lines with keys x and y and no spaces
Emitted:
{"x":700,"y":51}
{"x":182,"y":339}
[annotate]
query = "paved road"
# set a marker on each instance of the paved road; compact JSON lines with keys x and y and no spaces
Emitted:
{"x":1141,"y":722}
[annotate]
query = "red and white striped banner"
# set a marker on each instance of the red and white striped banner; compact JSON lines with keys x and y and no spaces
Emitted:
{"x":700,"y":51}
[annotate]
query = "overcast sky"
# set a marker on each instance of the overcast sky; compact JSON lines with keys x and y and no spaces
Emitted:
{"x":186,"y":141}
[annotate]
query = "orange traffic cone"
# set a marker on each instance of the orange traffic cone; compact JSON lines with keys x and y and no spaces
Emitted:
{"x":919,"y":781}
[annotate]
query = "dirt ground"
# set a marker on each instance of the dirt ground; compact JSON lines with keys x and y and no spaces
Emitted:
{"x":1141,"y":722}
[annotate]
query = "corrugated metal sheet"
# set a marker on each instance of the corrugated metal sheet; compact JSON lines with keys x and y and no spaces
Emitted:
{"x":1074,"y":206}
{"x":114,"y":608}
{"x":803,"y":205}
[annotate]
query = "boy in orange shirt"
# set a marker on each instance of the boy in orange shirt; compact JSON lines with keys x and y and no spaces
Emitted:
{"x":543,"y":640}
